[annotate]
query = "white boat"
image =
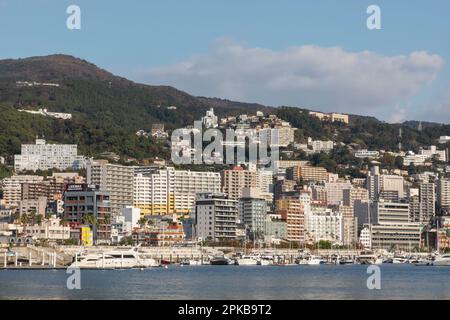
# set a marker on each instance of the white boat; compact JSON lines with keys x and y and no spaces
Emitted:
{"x":247,"y":261}
{"x":314,"y":261}
{"x":442,"y":260}
{"x":265,"y":262}
{"x":114,"y":259}
{"x":369,"y":258}
{"x":195,"y":263}
{"x":399,"y":260}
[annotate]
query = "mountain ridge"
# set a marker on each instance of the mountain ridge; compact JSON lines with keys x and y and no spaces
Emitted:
{"x":108,"y":110}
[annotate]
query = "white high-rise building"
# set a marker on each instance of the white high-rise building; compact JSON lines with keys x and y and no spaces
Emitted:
{"x":210,"y":120}
{"x":171,"y":191}
{"x":43,"y":156}
{"x":324,"y":224}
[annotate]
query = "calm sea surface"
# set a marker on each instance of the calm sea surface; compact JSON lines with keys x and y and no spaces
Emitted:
{"x":232,"y":283}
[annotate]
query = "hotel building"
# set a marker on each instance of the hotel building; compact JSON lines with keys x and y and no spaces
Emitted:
{"x":171,"y":191}
{"x":42,"y":156}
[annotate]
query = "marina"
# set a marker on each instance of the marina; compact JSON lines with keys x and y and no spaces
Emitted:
{"x":398,"y":281}
{"x":42,"y":258}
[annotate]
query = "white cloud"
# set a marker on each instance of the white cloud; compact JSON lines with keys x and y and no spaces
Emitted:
{"x":325,"y":78}
{"x":438,"y":109}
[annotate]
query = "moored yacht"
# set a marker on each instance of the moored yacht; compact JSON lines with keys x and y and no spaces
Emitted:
{"x":247,"y":261}
{"x":369,"y":258}
{"x":442,"y":260}
{"x":113,"y":259}
{"x":219,"y":261}
{"x":314,"y":260}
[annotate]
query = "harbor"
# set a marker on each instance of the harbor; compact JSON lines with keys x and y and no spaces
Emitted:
{"x":42,"y":258}
{"x":208,"y":282}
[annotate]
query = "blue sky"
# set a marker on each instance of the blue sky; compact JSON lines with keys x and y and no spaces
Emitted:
{"x":273,"y":52}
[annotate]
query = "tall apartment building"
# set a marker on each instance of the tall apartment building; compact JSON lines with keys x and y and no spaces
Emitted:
{"x":427,"y":194}
{"x":335,"y":191}
{"x":171,"y":191}
{"x":52,"y":188}
{"x":236,"y":179}
{"x":352,"y":194}
{"x":82,"y":200}
{"x":12,"y":188}
{"x":319,"y":194}
{"x":43,"y":156}
{"x":116,"y":179}
{"x":376,"y":183}
{"x":414,"y":207}
{"x":349,"y":225}
{"x":307,"y":173}
{"x":443,"y":194}
{"x":253,"y":211}
{"x":292,"y":211}
{"x":216,"y":217}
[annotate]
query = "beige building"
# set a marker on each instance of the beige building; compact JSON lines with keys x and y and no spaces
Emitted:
{"x":330,"y":116}
{"x":292,"y":211}
{"x":335,"y":191}
{"x":37,"y":206}
{"x":114,"y":178}
{"x":443,"y":194}
{"x":12,"y":188}
{"x":307,"y":173}
{"x":235,"y":180}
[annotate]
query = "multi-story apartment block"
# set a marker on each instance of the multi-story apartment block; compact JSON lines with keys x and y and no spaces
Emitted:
{"x":235,"y":180}
{"x":376,"y":183}
{"x":52,"y":188}
{"x":35,"y":206}
{"x":292,"y":211}
{"x":81,"y":201}
{"x":12,"y":188}
{"x":171,"y":191}
{"x":116,"y":179}
{"x":216,"y":217}
{"x":427,"y":194}
{"x":307,"y":173}
{"x":42,"y":156}
{"x":324,"y":225}
{"x":443,"y":194}
{"x":335,"y":191}
{"x":253,"y":212}
{"x":353,"y":194}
